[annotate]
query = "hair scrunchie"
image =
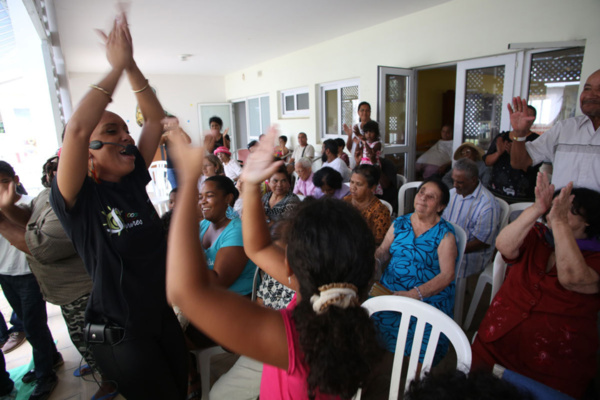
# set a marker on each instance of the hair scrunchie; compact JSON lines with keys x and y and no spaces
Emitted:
{"x":340,"y":295}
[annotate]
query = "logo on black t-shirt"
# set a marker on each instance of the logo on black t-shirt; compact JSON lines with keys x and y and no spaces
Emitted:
{"x":116,"y":224}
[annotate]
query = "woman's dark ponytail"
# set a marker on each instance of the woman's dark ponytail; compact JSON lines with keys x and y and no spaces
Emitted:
{"x":329,"y":242}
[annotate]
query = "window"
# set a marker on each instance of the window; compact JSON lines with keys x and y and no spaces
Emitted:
{"x":553,"y":84}
{"x":294,"y":103}
{"x":259,"y":117}
{"x":339,"y":106}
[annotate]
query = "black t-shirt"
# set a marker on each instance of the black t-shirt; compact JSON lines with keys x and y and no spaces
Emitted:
{"x":507,"y":181}
{"x":221,"y":142}
{"x":118,"y":234}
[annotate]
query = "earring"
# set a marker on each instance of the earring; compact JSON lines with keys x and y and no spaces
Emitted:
{"x":231,"y":213}
{"x":93,"y":171}
{"x":290,"y":279}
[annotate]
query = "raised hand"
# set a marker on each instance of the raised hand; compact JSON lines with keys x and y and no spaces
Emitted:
{"x":187,"y":159}
{"x":543,"y":193}
{"x":260,"y":164}
{"x":500,"y":145}
{"x":520,"y":121}
{"x":561,"y":205}
{"x":347,"y":130}
{"x":119,"y":47}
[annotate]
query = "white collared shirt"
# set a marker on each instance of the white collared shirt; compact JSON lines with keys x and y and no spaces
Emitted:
{"x":12,"y":260}
{"x":573,"y":148}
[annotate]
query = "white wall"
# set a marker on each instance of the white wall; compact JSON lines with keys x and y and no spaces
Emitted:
{"x":178,"y":94}
{"x":457,"y":30}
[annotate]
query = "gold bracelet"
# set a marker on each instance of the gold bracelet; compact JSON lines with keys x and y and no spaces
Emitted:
{"x":103,"y":91}
{"x":142,"y":89}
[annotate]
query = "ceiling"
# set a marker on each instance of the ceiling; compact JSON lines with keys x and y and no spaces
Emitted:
{"x":221,"y":36}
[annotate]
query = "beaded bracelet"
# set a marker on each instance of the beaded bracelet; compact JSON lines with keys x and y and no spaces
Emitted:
{"x":103,"y":91}
{"x":419,"y":293}
{"x":142,"y":89}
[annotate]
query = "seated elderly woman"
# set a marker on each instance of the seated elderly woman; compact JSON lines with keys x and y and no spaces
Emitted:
{"x":421,"y":248}
{"x":280,"y":201}
{"x":542,"y":322}
{"x":231,"y":167}
{"x":304,"y":184}
{"x":363,"y":183}
{"x":328,"y":182}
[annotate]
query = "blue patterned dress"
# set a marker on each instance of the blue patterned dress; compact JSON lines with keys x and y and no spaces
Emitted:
{"x":414,"y":262}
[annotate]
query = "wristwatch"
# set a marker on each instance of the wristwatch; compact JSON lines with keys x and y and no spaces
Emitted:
{"x":519,"y":139}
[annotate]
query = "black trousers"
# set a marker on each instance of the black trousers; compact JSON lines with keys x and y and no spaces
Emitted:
{"x":147,"y":367}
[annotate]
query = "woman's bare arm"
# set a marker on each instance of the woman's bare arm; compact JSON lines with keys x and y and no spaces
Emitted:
{"x":257,"y":239}
{"x":573,"y":272}
{"x":229,"y":265}
{"x":447,"y":253}
{"x":73,"y":165}
{"x":511,"y":238}
{"x":231,"y":320}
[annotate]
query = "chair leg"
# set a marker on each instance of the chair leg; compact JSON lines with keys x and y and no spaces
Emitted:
{"x":204,"y":368}
{"x":475,"y":302}
{"x":459,"y":298}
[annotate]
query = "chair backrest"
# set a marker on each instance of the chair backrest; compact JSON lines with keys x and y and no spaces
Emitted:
{"x":242,"y":155}
{"x":498,"y":274}
{"x":461,"y":243}
{"x":517,"y":207}
{"x":461,"y":283}
{"x":258,"y":277}
{"x":425,"y":314}
{"x":402,"y":193}
{"x":504,"y":212}
{"x":400,"y":180}
{"x":388,"y":205}
{"x":160,"y":183}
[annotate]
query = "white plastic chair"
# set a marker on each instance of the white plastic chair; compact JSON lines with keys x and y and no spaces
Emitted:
{"x":160,"y":184}
{"x":402,"y":193}
{"x":203,"y":357}
{"x":486,"y":277}
{"x":460,"y":286}
{"x":400,"y":180}
{"x":425,"y":314}
{"x":388,"y":205}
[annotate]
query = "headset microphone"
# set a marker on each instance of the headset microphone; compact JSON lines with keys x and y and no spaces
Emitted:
{"x":97,"y":145}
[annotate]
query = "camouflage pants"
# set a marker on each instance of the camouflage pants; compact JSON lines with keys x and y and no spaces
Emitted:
{"x":74,"y":315}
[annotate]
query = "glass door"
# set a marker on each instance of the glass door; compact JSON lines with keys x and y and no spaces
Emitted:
{"x":483,"y":89}
{"x":396,"y":117}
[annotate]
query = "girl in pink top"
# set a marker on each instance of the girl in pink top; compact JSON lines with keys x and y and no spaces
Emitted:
{"x":371,"y":149}
{"x":329,"y":285}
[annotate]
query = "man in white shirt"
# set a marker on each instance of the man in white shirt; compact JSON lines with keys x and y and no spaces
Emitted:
{"x":438,"y":158}
{"x":572,"y":145}
{"x":330,"y":159}
{"x":302,"y":150}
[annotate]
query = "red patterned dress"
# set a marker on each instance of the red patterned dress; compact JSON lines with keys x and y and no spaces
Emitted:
{"x":536,"y":327}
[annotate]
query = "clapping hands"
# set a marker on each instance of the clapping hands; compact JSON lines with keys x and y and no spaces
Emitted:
{"x":187,"y":159}
{"x":119,"y":46}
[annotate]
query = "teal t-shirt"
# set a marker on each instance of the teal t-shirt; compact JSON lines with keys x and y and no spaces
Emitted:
{"x":231,"y":236}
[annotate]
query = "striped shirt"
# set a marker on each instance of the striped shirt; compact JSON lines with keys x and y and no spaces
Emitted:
{"x":479,"y":215}
{"x":573,"y":147}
